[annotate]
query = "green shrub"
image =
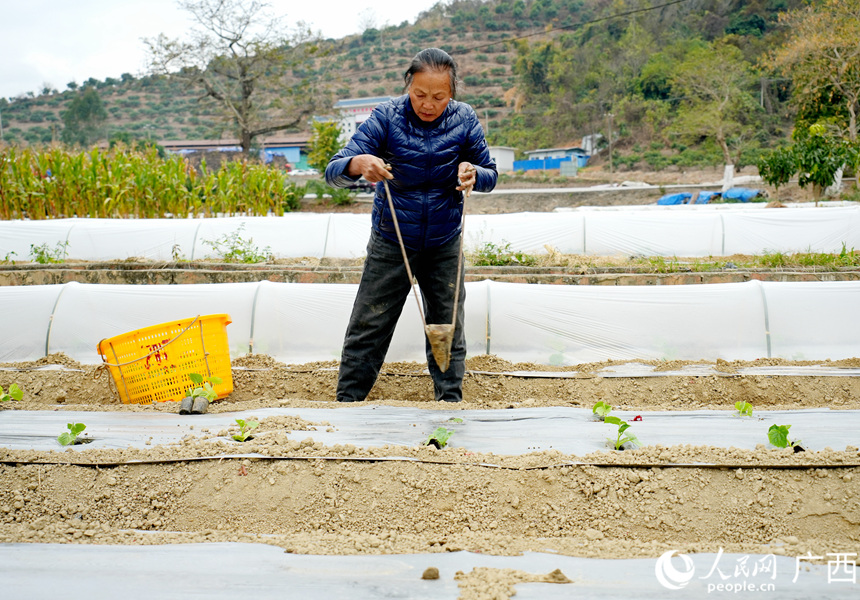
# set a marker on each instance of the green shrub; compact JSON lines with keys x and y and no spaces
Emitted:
{"x":491,"y":254}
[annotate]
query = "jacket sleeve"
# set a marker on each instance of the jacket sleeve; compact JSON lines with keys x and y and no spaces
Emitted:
{"x":366,"y":140}
{"x":478,"y":153}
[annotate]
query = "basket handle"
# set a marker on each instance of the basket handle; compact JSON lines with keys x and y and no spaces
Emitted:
{"x":145,"y":356}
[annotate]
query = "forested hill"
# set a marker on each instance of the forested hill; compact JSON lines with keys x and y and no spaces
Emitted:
{"x":540,"y":73}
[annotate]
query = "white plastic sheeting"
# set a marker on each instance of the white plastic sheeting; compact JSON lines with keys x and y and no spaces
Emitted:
{"x":562,"y":325}
{"x":577,"y":324}
{"x":586,"y":231}
{"x":569,"y":430}
{"x":227,"y":571}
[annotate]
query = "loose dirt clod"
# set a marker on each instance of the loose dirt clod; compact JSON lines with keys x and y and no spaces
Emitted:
{"x":499,"y":584}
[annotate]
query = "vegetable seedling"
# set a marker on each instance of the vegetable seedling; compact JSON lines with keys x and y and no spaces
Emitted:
{"x":14,"y":393}
{"x":439,"y":437}
{"x":203,"y":390}
{"x":245,"y":429}
{"x":68,"y":438}
{"x":601,"y":409}
{"x":778,"y":436}
{"x":621,"y":438}
{"x":744,"y":409}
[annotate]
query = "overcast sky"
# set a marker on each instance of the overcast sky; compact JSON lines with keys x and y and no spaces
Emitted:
{"x":54,"y":42}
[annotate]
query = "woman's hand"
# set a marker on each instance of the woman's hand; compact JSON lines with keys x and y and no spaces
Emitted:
{"x":466,"y":174}
{"x":370,"y":167}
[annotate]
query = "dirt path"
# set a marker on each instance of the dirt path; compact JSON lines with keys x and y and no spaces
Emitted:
{"x":261,"y":381}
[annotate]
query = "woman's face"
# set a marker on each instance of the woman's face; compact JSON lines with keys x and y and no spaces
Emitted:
{"x":429,"y":93}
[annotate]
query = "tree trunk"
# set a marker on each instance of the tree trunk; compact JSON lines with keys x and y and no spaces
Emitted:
{"x":246,"y":142}
{"x":728,"y":176}
{"x":727,"y":155}
{"x":852,"y":122}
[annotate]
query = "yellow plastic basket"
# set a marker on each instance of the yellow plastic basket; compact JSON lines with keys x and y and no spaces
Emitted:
{"x":152,"y":364}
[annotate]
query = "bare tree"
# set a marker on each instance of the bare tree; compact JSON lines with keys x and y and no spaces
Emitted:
{"x":822,"y":56}
{"x":367,"y":20}
{"x":243,"y":59}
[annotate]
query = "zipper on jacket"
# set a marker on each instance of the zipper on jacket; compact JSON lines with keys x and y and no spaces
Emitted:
{"x":424,"y":194}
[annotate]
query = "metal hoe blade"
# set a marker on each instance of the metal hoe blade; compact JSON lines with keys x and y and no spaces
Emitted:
{"x":441,"y":338}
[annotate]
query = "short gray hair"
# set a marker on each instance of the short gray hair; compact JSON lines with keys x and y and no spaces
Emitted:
{"x":432,"y":59}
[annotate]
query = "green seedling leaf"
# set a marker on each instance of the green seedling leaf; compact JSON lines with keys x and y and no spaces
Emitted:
{"x":439,"y":437}
{"x":215,"y":380}
{"x":69,"y":437}
{"x":203,"y":390}
{"x":245,"y":429}
{"x":66,"y":439}
{"x":601,"y":409}
{"x":744,"y":409}
{"x":14,"y":393}
{"x":621,"y":437}
{"x":455,"y":420}
{"x":629,"y":438}
{"x":778,"y":435}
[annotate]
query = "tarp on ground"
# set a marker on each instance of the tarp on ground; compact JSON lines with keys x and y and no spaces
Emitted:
{"x":740,"y":194}
{"x":674,"y":199}
{"x":569,"y":430}
{"x":684,"y":231}
{"x":225,"y":571}
{"x":543,"y":324}
{"x":705,"y":197}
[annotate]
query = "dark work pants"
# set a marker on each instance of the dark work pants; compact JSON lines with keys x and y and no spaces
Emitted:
{"x":381,"y":294}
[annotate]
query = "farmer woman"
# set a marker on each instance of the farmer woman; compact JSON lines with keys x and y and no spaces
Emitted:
{"x":430,"y":148}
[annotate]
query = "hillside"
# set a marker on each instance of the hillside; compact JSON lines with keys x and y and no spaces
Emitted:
{"x":538,"y":72}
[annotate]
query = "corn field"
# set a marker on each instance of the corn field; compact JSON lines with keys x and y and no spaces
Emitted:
{"x":123,"y":183}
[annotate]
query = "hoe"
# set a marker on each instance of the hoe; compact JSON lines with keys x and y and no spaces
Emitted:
{"x":440,"y":335}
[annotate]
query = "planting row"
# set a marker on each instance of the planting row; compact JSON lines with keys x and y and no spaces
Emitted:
{"x":25,"y":429}
{"x":542,"y":324}
{"x":711,"y":233}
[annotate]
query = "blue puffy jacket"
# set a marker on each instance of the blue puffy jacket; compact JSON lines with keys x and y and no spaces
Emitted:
{"x":424,"y":158}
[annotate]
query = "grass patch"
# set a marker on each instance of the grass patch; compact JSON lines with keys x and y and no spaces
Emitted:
{"x":500,"y":255}
{"x":844,"y":258}
{"x":770,"y":260}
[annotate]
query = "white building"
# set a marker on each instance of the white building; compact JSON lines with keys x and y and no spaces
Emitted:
{"x":504,"y":157}
{"x":355,"y":111}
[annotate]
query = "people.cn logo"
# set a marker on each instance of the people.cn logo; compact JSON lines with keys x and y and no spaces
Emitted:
{"x":670,"y":577}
